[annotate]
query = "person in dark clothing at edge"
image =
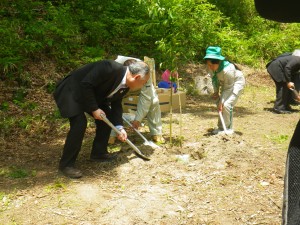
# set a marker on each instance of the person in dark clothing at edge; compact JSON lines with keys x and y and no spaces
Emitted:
{"x":285,"y":11}
{"x":97,"y":89}
{"x":284,"y":71}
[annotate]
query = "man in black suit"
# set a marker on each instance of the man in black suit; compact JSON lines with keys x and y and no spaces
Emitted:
{"x":283,"y":71}
{"x":97,"y":89}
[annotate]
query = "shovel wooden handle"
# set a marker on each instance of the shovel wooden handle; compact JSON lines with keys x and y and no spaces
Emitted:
{"x":222,"y":121}
{"x":137,"y":151}
{"x":142,"y":136}
{"x":137,"y":131}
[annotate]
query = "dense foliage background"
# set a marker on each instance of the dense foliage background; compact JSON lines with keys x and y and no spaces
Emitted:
{"x":172,"y":31}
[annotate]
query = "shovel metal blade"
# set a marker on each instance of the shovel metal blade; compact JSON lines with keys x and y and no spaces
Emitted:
{"x":152,"y":144}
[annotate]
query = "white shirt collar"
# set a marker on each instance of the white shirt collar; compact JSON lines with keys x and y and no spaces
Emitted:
{"x":121,"y":85}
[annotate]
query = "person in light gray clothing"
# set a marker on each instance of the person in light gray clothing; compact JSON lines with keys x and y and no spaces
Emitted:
{"x":147,"y":106}
{"x":228,"y":82}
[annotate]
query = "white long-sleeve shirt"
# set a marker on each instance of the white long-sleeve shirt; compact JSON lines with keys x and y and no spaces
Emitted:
{"x":231,"y":83}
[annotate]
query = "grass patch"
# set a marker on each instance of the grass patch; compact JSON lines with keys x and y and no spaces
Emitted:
{"x":114,"y":148}
{"x":16,"y":172}
{"x":57,"y":185}
{"x":280,"y":139}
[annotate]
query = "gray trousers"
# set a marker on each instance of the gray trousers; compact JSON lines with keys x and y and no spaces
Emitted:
{"x":154,"y":119}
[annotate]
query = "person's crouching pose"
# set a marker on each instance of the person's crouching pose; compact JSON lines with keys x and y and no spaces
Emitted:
{"x":97,"y":89}
{"x":228,"y":82}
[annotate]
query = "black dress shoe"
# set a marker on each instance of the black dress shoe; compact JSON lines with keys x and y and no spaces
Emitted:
{"x":281,"y":111}
{"x":71,"y":172}
{"x":105,"y":157}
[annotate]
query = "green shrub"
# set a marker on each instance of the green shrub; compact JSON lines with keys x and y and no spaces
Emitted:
{"x":16,"y":172}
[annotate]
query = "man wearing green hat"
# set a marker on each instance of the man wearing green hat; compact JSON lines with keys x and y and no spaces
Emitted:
{"x":228,"y":82}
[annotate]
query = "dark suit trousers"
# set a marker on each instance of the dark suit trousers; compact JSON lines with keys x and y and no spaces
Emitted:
{"x":283,"y":96}
{"x":73,"y":141}
{"x":75,"y":136}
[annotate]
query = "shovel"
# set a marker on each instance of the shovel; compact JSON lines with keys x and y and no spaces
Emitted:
{"x":223,"y":123}
{"x":146,"y":142}
{"x":137,"y":151}
{"x":296,"y":94}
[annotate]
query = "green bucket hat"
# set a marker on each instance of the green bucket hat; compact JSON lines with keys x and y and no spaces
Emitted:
{"x":213,"y":52}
